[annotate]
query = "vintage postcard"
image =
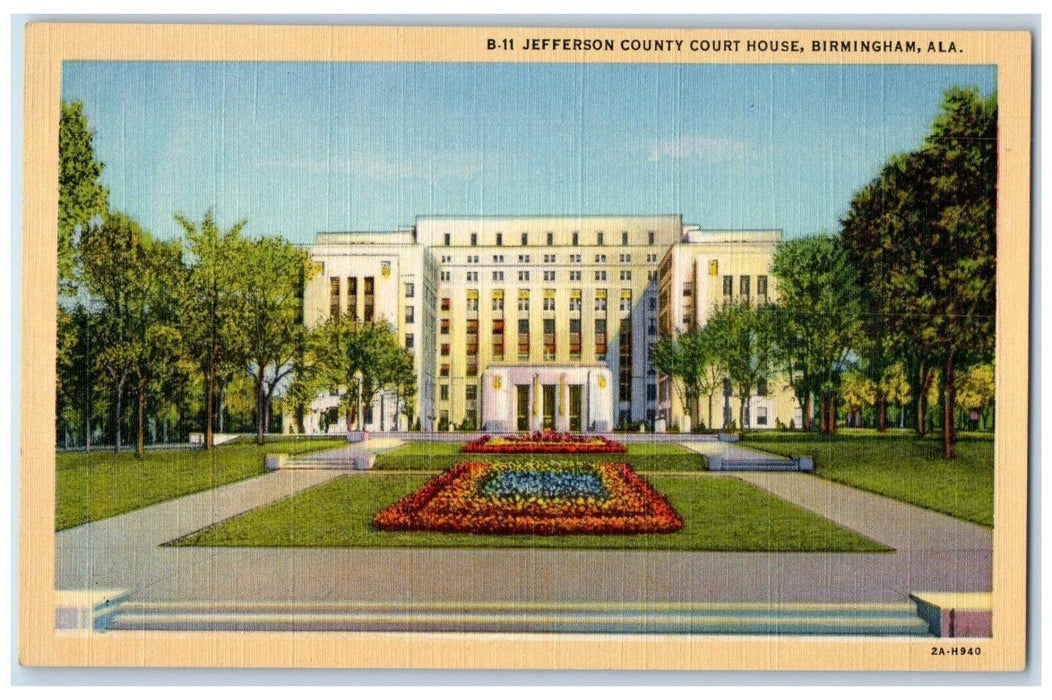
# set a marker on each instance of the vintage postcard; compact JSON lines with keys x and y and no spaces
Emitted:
{"x":569,"y":348}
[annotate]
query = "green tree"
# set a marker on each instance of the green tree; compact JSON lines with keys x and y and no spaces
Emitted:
{"x":275,"y":272}
{"x":895,"y":388}
{"x":925,"y":232}
{"x":311,"y":374}
{"x":975,"y":388}
{"x":212,"y":309}
{"x":82,"y":199}
{"x":366,"y":358}
{"x":817,"y":319}
{"x":742,"y":339}
{"x":859,"y":392}
{"x":690,"y":360}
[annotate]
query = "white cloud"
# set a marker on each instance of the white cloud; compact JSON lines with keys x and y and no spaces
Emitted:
{"x":710,"y":149}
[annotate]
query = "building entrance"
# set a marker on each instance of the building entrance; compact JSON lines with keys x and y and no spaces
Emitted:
{"x":522,"y":406}
{"x":575,"y":408}
{"x":549,"y":407}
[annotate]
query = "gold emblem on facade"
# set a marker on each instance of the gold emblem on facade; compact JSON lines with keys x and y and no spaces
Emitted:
{"x":496,"y":382}
{"x":385,"y":269}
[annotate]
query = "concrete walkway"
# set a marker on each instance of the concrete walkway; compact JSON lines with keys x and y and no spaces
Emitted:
{"x":727,"y":450}
{"x":933,"y":552}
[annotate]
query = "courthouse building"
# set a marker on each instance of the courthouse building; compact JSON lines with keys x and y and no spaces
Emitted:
{"x":530,"y":323}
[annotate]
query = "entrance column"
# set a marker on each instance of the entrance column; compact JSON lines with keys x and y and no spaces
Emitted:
{"x":537,"y":415}
{"x":562,"y":407}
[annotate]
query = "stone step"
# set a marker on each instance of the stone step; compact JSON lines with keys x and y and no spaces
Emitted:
{"x":752,"y":619}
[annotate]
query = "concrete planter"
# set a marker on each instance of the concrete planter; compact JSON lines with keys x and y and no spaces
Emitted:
{"x":727,"y":437}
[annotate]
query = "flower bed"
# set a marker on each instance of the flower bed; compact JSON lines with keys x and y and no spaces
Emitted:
{"x":555,"y":497}
{"x":544,"y":443}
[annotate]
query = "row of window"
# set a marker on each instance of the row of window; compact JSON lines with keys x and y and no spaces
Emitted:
{"x":549,"y":238}
{"x":600,"y":302}
{"x":549,"y":258}
{"x":547,"y":275}
{"x":471,"y":394}
{"x":368,"y":298}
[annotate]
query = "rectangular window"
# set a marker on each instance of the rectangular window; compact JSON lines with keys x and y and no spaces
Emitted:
{"x":575,"y":275}
{"x":625,"y":257}
{"x":549,"y":339}
{"x":445,"y":239}
{"x":524,"y":300}
{"x":445,"y":349}
{"x":550,"y":238}
{"x":744,"y":287}
{"x":500,"y":240}
{"x":549,"y":275}
{"x":728,"y":286}
{"x":651,"y":392}
{"x":575,"y":338}
{"x":444,"y":275}
{"x":549,"y":258}
{"x":443,"y":392}
{"x":575,"y":238}
{"x":370,"y":289}
{"x":498,"y":258}
{"x":761,"y":289}
{"x":444,"y":325}
{"x":408,"y":341}
{"x":409,"y":289}
{"x":445,"y":303}
{"x":600,"y":275}
{"x":650,"y":238}
{"x":624,"y":238}
{"x":626,"y":275}
{"x":600,"y":300}
{"x":599,"y":238}
{"x":525,"y":238}
{"x":474,"y":239}
{"x":473,"y":301}
{"x":409,"y":314}
{"x":600,"y":339}
{"x":625,"y":359}
{"x":498,"y":275}
{"x":761,"y":415}
{"x":473,"y":276}
{"x":525,"y":259}
{"x":498,"y":339}
{"x":524,"y":275}
{"x":600,"y":258}
{"x":498,"y":301}
{"x":575,"y":258}
{"x":334,"y":297}
{"x":443,"y":371}
{"x":352,"y":298}
{"x":524,"y":338}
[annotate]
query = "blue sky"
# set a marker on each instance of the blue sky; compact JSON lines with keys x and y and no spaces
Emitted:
{"x":297,"y":148}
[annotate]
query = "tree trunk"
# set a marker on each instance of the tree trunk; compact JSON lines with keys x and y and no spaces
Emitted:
{"x":87,"y":432}
{"x":140,"y":437}
{"x":117,"y":415}
{"x":922,"y":405}
{"x":741,"y":413}
{"x":261,"y":413}
{"x":210,"y":409}
{"x":882,"y":414}
{"x":823,"y":418}
{"x":832,"y":414}
{"x":949,"y":433}
{"x":709,"y":426}
{"x":808,"y":418}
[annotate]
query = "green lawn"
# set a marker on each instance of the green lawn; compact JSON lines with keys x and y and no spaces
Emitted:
{"x":719,"y":514}
{"x":439,"y":456}
{"x":94,"y":485}
{"x":901,"y":466}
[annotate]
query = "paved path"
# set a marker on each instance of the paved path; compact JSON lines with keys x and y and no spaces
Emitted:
{"x":933,"y":552}
{"x":728,"y":450}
